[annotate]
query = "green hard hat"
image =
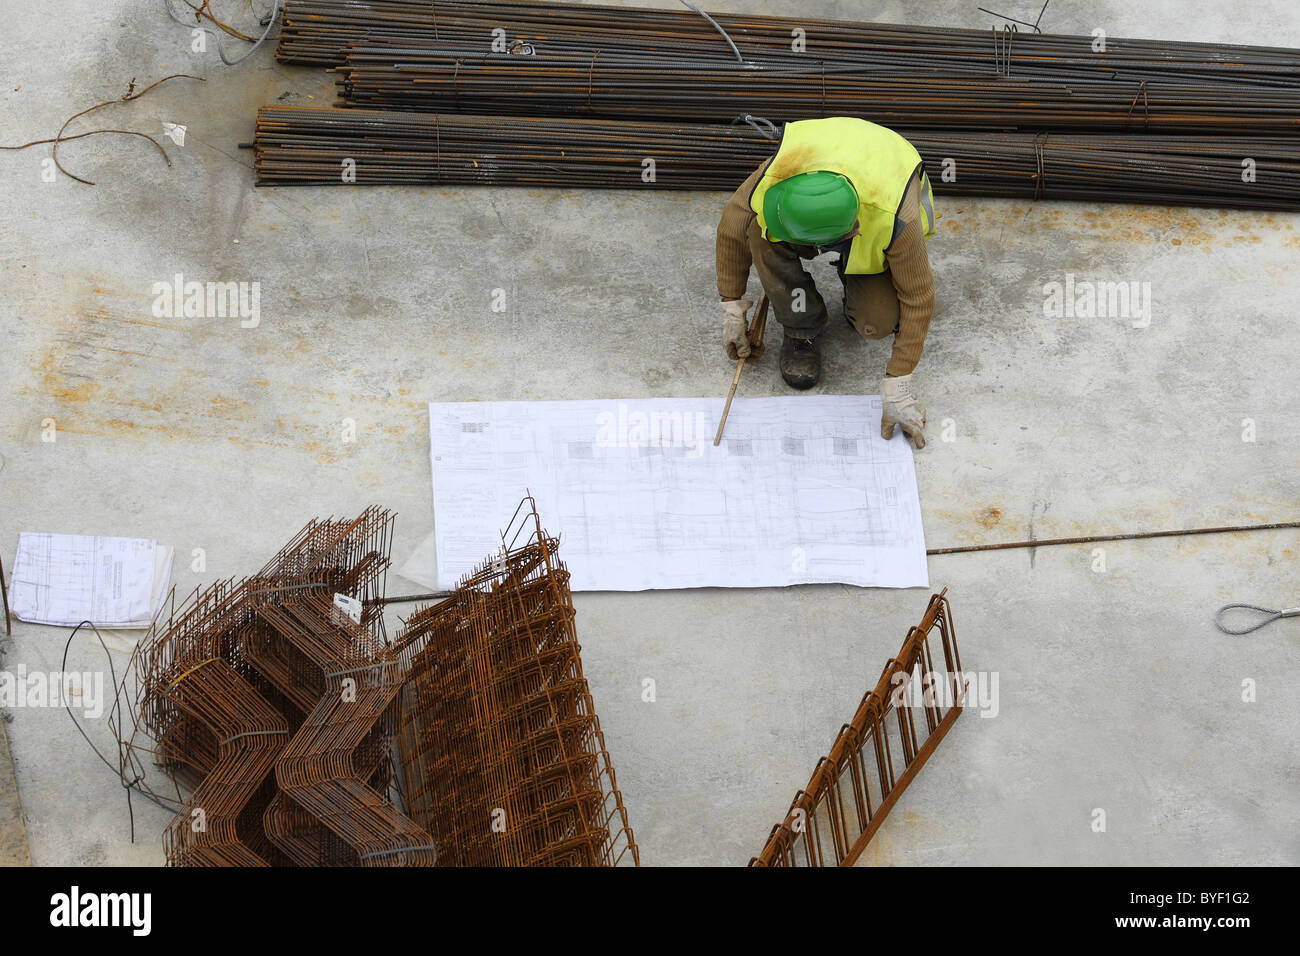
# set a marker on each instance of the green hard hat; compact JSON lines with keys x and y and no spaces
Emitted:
{"x":811,"y":208}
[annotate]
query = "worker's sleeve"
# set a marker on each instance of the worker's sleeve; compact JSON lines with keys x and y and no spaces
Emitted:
{"x":733,"y":255}
{"x":909,"y":266}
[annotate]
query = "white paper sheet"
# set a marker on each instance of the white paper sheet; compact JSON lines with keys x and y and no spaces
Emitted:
{"x":802,"y":490}
{"x":64,"y":579}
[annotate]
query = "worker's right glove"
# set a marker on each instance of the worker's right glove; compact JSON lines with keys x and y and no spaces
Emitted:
{"x":900,"y":407}
{"x":734,"y":335}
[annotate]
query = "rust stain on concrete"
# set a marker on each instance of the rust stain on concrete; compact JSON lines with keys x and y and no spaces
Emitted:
{"x":104,"y":315}
{"x":111,"y":370}
{"x":1120,"y":224}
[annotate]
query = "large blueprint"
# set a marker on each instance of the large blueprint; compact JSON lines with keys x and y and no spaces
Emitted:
{"x":802,"y":490}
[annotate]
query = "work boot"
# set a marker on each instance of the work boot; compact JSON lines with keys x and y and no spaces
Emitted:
{"x":801,"y":361}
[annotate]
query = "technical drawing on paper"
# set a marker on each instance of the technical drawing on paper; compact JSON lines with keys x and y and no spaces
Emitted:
{"x":802,"y":490}
{"x":65,"y":579}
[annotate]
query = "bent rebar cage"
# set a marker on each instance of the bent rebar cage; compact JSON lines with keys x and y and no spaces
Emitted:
{"x":278,"y":711}
{"x":502,"y":754}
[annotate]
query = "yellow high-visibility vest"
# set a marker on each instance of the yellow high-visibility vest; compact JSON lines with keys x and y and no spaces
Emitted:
{"x":877,"y":161}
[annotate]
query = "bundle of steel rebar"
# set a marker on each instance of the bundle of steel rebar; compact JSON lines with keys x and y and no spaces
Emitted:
{"x":317,"y":31}
{"x":711,"y":89}
{"x":502,"y":753}
{"x":301,"y":146}
{"x":1005,"y":113}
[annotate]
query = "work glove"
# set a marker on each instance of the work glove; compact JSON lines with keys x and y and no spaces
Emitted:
{"x":734,"y":335}
{"x":901,"y":408}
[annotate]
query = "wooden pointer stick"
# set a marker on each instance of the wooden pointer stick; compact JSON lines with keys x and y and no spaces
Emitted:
{"x":740,"y":366}
{"x":755,"y":337}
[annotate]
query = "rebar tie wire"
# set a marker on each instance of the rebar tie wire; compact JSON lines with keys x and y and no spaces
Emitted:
{"x":292,"y":587}
{"x":404,"y":849}
{"x":1009,"y":32}
{"x":437,"y":147}
{"x":1146,"y":104}
{"x":1033,"y":26}
{"x":591,"y":72}
{"x":1040,"y":140}
{"x":186,"y":673}
{"x":367,"y":667}
{"x":255,"y":733}
{"x":1273,"y":615}
{"x":739,"y":59}
{"x":769,"y":133}
{"x":221,"y":46}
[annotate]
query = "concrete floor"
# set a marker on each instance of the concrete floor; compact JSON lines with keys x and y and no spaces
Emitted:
{"x":13,"y":832}
{"x":1116,"y":691}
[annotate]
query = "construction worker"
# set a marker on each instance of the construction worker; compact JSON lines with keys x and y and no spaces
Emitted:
{"x":839,"y":185}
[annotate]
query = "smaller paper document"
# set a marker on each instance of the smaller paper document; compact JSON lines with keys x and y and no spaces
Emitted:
{"x":64,"y":579}
{"x":802,"y":490}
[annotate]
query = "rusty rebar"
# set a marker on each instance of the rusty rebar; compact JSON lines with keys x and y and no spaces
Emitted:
{"x":305,"y":146}
{"x":318,"y":31}
{"x":502,"y":753}
{"x":278,"y":710}
{"x":131,"y":94}
{"x":877,"y":753}
{"x":467,"y":77}
{"x":1129,"y":536}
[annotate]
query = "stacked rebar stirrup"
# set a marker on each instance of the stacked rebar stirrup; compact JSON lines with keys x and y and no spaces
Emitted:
{"x":279,"y":710}
{"x":503,"y":758}
{"x":876,"y":754}
{"x":215,"y":728}
{"x":343,"y":744}
{"x":304,"y":146}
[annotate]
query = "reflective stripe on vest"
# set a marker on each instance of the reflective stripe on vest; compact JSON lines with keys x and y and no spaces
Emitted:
{"x":877,"y":161}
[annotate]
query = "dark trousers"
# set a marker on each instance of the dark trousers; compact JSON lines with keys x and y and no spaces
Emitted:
{"x":870,"y":301}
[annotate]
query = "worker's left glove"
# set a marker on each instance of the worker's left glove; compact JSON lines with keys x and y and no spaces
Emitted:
{"x":901,"y":408}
